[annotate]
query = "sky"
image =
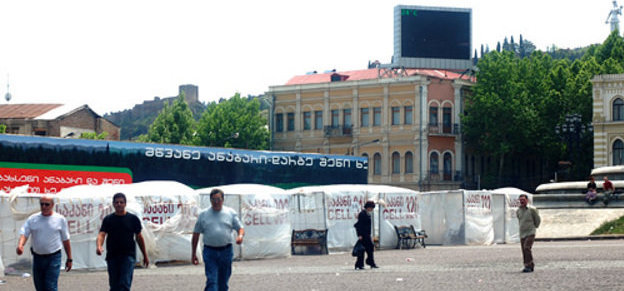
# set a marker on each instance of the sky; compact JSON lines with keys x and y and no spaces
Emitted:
{"x":114,"y":54}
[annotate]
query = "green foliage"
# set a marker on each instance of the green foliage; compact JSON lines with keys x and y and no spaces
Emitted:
{"x":517,"y":102}
{"x":2,"y":128}
{"x":611,"y":227}
{"x":136,"y":121}
{"x":174,"y":124}
{"x":235,"y":122}
{"x":93,"y":135}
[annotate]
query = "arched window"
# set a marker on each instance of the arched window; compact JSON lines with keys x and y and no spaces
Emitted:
{"x":433,"y":164}
{"x":409,"y":162}
{"x":396,"y":163}
{"x":618,"y":152}
{"x":377,"y":164}
{"x":618,"y":109}
{"x":448,"y":166}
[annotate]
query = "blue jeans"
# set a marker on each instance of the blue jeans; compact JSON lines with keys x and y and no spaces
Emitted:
{"x":218,"y":267}
{"x":46,"y":271}
{"x":120,"y":270}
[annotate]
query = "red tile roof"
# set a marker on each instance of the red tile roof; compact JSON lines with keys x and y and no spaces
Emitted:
{"x":25,"y":110}
{"x":370,"y":74}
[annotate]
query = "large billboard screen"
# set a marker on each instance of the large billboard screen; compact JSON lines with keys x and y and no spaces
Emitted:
{"x":432,"y":37}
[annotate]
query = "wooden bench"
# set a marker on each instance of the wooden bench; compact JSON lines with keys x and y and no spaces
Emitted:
{"x":408,"y":237}
{"x":309,"y":238}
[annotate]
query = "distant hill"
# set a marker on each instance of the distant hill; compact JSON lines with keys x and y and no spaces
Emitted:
{"x":136,"y":121}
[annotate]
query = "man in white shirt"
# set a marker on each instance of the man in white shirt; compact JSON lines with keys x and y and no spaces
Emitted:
{"x":49,"y":232}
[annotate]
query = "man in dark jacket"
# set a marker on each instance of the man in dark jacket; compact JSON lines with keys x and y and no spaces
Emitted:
{"x":363,"y":229}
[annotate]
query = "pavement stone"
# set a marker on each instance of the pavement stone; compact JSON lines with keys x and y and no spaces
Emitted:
{"x":560,"y":265}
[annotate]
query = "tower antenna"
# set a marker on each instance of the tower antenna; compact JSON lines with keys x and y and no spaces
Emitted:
{"x":7,"y":96}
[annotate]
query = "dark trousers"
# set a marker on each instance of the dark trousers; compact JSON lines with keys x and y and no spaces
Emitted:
{"x":120,"y":271}
{"x":369,"y":248}
{"x":526,"y":244}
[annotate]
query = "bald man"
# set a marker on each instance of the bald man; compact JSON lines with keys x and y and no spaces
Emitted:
{"x":49,"y":233}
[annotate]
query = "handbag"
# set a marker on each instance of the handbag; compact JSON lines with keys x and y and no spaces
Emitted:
{"x":358,"y":249}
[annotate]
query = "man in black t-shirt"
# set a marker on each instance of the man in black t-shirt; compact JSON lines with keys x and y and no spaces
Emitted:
{"x":121,"y":228}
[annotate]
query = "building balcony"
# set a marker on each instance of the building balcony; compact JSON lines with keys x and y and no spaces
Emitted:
{"x":443,"y":129}
{"x":338,"y":131}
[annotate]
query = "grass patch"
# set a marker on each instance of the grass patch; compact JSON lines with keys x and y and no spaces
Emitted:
{"x":611,"y":227}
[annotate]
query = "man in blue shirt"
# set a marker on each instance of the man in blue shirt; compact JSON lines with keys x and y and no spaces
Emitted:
{"x":216,"y":225}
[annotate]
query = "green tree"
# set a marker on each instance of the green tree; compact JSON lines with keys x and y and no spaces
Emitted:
{"x":235,"y":122}
{"x":174,"y":124}
{"x":498,"y":117}
{"x":93,"y":135}
{"x":612,"y":47}
{"x":2,"y":128}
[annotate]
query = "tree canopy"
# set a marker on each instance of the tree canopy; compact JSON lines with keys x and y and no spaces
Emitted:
{"x":235,"y":122}
{"x":519,"y":99}
{"x":174,"y":124}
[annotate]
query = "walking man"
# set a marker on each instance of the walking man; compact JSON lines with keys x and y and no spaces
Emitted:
{"x":216,"y":225}
{"x":528,"y":220}
{"x":50,"y":233}
{"x":122,"y":228}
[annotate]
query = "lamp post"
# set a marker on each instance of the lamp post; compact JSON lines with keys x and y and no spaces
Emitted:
{"x":572,"y":130}
{"x":361,"y":145}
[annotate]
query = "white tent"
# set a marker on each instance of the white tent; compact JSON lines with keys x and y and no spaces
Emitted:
{"x":263,"y":212}
{"x":470,"y":217}
{"x":85,"y":206}
{"x":336,"y":208}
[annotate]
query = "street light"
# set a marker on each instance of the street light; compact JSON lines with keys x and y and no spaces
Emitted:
{"x":571,"y":131}
{"x":352,"y":148}
{"x":234,"y":136}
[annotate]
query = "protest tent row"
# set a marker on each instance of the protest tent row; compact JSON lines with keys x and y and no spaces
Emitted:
{"x":169,"y":210}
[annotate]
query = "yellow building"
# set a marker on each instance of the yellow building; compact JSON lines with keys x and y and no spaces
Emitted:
{"x":405,"y":121}
{"x":608,"y":119}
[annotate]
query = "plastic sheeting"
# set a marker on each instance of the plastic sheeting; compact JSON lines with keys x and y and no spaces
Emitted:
{"x":264,"y":213}
{"x":442,"y":216}
{"x":478,"y":218}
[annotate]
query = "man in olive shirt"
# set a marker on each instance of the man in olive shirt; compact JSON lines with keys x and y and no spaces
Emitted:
{"x":528,"y":220}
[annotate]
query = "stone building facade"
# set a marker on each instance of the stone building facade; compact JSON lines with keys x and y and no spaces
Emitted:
{"x":405,"y":122}
{"x":608,"y":119}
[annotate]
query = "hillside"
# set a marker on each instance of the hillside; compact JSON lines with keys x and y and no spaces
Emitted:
{"x":136,"y":121}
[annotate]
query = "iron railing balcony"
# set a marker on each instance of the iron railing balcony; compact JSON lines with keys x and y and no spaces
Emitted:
{"x":337,"y":131}
{"x":443,"y":128}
